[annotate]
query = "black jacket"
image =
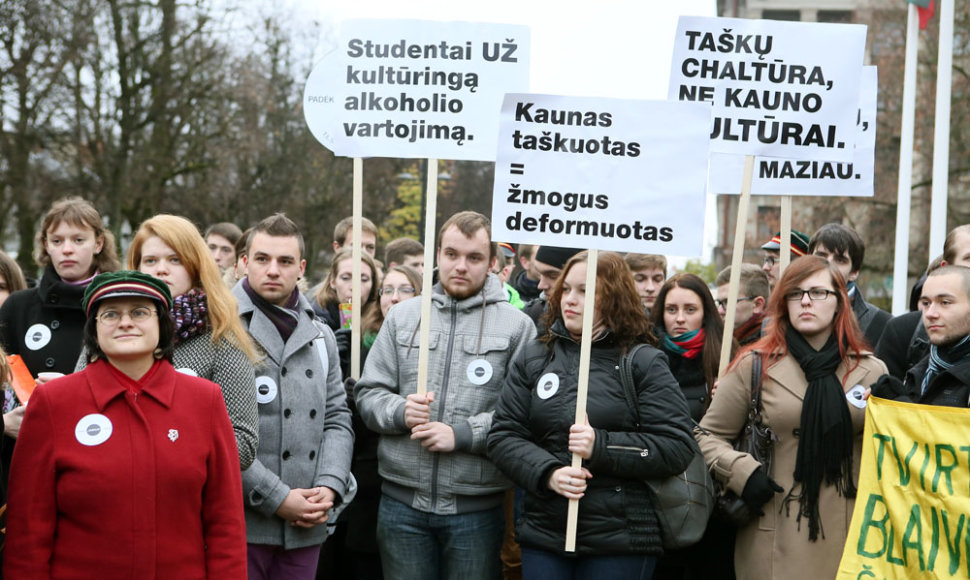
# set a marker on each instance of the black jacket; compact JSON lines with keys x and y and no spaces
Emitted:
{"x":872,"y":319}
{"x":530,"y":433}
{"x":903,"y":344}
{"x":527,"y":289}
{"x":44,"y":325}
{"x":950,"y":388}
{"x":330,"y":314}
{"x":689,"y":373}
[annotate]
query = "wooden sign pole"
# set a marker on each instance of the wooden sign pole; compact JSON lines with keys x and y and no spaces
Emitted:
{"x":429,"y":245}
{"x":736,"y":258}
{"x":589,"y":309}
{"x":355,"y":300}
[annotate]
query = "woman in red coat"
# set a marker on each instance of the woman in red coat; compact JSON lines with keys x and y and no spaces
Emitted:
{"x":127,"y":469}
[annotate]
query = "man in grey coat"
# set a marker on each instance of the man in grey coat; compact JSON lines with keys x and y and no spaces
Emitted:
{"x":302,"y":467}
{"x":441,"y":510}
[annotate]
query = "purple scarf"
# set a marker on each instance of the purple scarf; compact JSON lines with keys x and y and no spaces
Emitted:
{"x":190,"y":313}
{"x":284,"y":318}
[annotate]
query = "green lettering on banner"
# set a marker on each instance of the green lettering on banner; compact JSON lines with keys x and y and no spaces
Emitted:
{"x":966,"y":547}
{"x":945,"y":469}
{"x":926,"y":463}
{"x":915,"y":524}
{"x":952,"y":543}
{"x":935,"y":539}
{"x":868,"y":522}
{"x":966,"y":449}
{"x":904,"y":475}
{"x":880,"y":450}
{"x":889,"y":552}
{"x":903,"y":467}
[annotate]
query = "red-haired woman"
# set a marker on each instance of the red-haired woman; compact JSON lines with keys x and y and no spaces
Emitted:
{"x":533,"y":435}
{"x":814,"y":372}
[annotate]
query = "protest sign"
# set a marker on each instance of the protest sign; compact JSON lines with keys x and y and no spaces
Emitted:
{"x":611,"y":174}
{"x":412,"y":88}
{"x":779,"y":89}
{"x":911,"y":511}
{"x":776,"y":176}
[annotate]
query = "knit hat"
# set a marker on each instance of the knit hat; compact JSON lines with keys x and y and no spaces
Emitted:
{"x":799,"y":243}
{"x":125,"y":283}
{"x":555,"y":256}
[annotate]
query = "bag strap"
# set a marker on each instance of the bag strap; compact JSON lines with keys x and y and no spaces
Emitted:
{"x":626,"y":377}
{"x":754,"y":410}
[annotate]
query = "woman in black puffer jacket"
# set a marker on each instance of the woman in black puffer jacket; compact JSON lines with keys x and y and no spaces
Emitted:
{"x":533,"y":435}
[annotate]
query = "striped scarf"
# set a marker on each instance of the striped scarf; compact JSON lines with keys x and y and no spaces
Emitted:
{"x":940,"y":361}
{"x":688,"y":345}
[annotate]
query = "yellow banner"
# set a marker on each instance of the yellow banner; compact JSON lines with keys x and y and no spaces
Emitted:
{"x":912,"y":514}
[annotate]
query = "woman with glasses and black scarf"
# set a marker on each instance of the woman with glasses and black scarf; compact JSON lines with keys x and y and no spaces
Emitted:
{"x":814,"y":371}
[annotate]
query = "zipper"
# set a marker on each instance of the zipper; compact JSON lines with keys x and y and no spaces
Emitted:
{"x":642,"y":452}
{"x":441,"y":402}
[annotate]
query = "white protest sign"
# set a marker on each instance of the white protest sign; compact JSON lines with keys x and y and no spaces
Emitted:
{"x":576,"y":49}
{"x":775,"y":176}
{"x":412,"y":88}
{"x":779,"y":89}
{"x":610,"y":174}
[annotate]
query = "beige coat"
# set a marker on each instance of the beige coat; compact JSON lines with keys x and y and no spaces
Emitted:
{"x":774,"y":546}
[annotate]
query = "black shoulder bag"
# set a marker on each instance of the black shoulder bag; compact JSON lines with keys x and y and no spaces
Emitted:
{"x":755,"y":439}
{"x":683,"y":502}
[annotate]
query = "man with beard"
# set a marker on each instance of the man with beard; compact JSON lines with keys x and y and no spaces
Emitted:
{"x":441,"y":510}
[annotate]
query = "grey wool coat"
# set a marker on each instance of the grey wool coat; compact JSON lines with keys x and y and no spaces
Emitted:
{"x":305,"y":434}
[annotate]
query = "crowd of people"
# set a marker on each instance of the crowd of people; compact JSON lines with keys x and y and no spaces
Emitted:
{"x":194,"y":413}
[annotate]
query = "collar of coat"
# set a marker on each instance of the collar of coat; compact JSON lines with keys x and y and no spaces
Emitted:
{"x":158,"y":383}
{"x":785,"y":368}
{"x":69,"y":295}
{"x":266,"y":335}
{"x":960,"y":372}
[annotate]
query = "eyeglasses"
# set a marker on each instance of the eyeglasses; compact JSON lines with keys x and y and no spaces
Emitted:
{"x":813,"y":293}
{"x":769,"y":261}
{"x":136,"y":315}
{"x":402,"y":290}
{"x":723,"y":303}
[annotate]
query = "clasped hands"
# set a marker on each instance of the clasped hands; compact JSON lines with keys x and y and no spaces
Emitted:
{"x":305,"y":508}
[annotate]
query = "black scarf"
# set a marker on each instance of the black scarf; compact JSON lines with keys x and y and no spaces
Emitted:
{"x":825,"y":443}
{"x":284,"y":318}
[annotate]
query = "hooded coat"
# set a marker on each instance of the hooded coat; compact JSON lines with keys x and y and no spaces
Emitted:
{"x":472,"y":343}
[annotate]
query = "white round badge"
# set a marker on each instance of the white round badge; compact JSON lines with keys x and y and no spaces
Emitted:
{"x":548,"y":385}
{"x":188,"y":371}
{"x":93,"y":429}
{"x":854,"y":396}
{"x":479,"y":371}
{"x":37,"y":337}
{"x":265,"y":390}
